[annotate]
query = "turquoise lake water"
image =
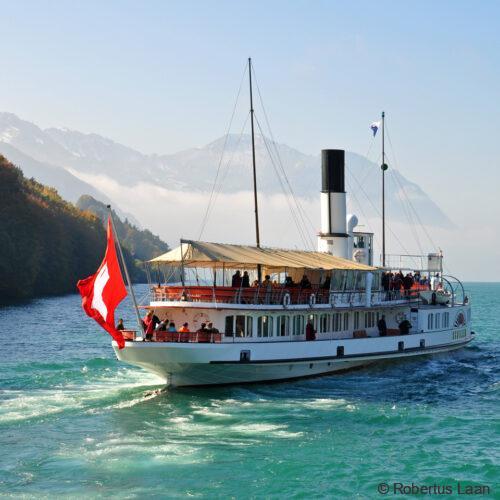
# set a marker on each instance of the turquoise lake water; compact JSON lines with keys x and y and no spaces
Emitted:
{"x":74,"y":422}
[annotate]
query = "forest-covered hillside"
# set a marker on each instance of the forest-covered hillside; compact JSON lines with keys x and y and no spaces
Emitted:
{"x":47,"y":244}
{"x":141,"y":243}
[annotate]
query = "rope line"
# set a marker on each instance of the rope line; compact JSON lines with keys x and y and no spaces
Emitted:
{"x":210,"y":200}
{"x":303,"y":234}
{"x":406,"y":195}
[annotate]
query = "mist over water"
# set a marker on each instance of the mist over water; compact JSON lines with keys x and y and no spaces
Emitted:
{"x":76,"y":422}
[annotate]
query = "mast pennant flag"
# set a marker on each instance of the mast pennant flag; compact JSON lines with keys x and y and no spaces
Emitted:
{"x":375,"y":126}
{"x":103,"y":291}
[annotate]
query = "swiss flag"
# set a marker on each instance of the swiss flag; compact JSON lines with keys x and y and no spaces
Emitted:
{"x":103,"y":291}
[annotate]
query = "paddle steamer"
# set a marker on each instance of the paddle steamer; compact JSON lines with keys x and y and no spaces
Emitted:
{"x":261,"y":333}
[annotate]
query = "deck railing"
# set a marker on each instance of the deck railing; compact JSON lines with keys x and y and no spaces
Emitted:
{"x":284,"y":296}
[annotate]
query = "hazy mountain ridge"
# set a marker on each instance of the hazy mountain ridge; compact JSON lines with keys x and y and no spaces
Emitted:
{"x":195,"y":169}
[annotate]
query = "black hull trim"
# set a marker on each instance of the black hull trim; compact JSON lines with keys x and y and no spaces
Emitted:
{"x":376,"y":355}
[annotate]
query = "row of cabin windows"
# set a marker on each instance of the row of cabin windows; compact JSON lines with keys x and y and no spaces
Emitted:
{"x":434,"y":321}
{"x":285,"y":325}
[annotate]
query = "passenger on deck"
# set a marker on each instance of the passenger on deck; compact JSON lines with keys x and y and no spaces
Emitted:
{"x":255,"y":283}
{"x":203,"y":328}
{"x":120,"y":325}
{"x":382,"y":326}
{"x":268,"y":287}
{"x":149,"y":325}
{"x":326,"y":284}
{"x":310,"y":331}
{"x":171,"y":327}
{"x":245,"y":281}
{"x":289,"y":281}
{"x":386,"y":281}
{"x":396,"y":284}
{"x":404,"y":327}
{"x":236,"y":281}
{"x":162,"y":327}
{"x":211,"y":328}
{"x":304,"y":282}
{"x":184,"y":328}
{"x":407,"y":283}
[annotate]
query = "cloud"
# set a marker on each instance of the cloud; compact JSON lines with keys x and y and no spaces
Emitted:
{"x":178,"y":214}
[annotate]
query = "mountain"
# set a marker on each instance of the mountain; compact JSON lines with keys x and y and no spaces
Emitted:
{"x":142,"y":244}
{"x":29,"y":147}
{"x":68,"y":186}
{"x":90,"y":156}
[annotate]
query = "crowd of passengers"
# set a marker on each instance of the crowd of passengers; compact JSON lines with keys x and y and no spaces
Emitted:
{"x":152,"y":323}
{"x":395,"y":282}
{"x":243,"y":281}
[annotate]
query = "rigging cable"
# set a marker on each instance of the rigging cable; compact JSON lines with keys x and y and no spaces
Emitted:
{"x":302,"y":233}
{"x":406,"y":210}
{"x":377,"y":211}
{"x":226,"y":167}
{"x":407,"y":197}
{"x":433,"y":244}
{"x":205,"y":218}
{"x":302,"y":213}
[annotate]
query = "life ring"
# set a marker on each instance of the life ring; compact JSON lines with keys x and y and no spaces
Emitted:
{"x":312,"y":299}
{"x":286,"y":299}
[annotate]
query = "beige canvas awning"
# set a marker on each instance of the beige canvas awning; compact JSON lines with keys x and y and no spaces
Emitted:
{"x":204,"y":254}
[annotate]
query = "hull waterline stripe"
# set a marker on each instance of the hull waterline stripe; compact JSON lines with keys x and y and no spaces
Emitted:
{"x":344,"y":357}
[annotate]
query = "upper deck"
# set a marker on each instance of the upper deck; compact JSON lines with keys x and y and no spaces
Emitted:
{"x":278,"y":297}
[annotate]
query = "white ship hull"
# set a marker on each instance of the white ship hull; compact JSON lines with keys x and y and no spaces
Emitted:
{"x":195,"y":364}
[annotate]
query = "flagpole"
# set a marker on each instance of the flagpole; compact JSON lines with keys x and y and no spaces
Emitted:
{"x":129,"y":283}
{"x":384,"y":167}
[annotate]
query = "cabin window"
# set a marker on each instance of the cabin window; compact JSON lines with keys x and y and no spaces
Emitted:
{"x":249,"y":330}
{"x":346,"y":322}
{"x":446,"y":320}
{"x":438,"y":319}
{"x":369,"y":319}
{"x":324,"y":323}
{"x":430,"y":321}
{"x":229,"y":328}
{"x":282,"y":326}
{"x":336,"y":322}
{"x":298,"y":325}
{"x":337,"y":280}
{"x":265,"y":326}
{"x":356,"y":320}
{"x":350,"y":280}
{"x":359,"y":242}
{"x":240,"y":326}
{"x":360,"y":281}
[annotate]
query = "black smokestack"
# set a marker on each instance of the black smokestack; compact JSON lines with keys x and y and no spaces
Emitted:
{"x":332,"y":170}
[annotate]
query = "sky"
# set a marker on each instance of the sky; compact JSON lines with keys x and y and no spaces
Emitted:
{"x":162,"y":76}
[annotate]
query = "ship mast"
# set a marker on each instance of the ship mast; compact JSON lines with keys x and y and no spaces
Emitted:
{"x":384,"y":167}
{"x":256,"y":205}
